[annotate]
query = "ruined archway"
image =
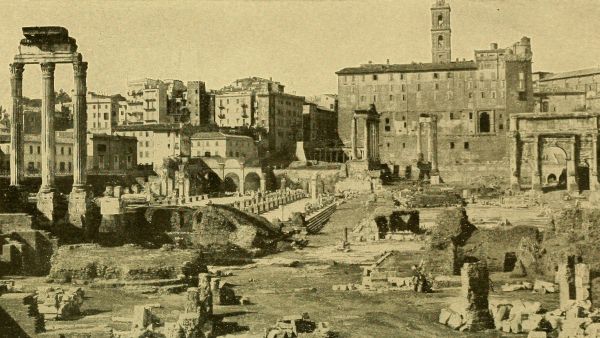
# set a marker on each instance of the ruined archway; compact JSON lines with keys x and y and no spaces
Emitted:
{"x":231,"y":183}
{"x":252,"y":182}
{"x":554,"y":164}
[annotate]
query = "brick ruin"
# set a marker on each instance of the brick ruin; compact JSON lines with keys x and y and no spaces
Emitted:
{"x":388,"y":224}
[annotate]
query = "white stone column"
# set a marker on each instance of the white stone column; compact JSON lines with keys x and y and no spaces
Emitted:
{"x":419,"y":131}
{"x":47,"y":137}
{"x":536,"y":176}
{"x":572,"y":185}
{"x":594,"y":184}
{"x":79,"y":126}
{"x":242,"y":189}
{"x":367,"y":152}
{"x":16,"y":125}
{"x":515,"y":159}
{"x":353,"y":138}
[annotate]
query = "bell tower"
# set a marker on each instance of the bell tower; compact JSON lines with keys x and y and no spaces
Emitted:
{"x":441,"y":46}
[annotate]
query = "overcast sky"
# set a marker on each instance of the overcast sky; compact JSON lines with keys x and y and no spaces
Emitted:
{"x":299,"y":43}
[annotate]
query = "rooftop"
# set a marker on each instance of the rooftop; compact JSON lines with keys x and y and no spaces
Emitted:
{"x":215,"y":135}
{"x":574,"y":73}
{"x":150,"y":127}
{"x":408,"y":67}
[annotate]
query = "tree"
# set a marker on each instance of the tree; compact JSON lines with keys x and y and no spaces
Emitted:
{"x":61,"y":97}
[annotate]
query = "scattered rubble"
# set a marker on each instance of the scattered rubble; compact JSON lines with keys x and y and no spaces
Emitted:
{"x":58,"y":303}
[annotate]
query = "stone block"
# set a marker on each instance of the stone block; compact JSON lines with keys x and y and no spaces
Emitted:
{"x":444,"y":316}
{"x":142,"y":316}
{"x":537,"y":334}
{"x":516,"y":325}
{"x":506,"y":326}
{"x":532,"y":323}
{"x":455,"y":321}
{"x":46,"y":205}
{"x":543,"y":286}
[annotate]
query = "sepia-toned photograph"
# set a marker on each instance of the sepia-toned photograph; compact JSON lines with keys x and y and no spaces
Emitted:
{"x":299,"y":169}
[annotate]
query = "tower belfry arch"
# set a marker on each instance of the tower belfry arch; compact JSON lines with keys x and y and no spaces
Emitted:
{"x":441,"y":34}
{"x":46,"y":47}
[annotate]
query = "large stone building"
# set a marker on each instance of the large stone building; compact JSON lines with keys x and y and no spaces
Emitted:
{"x":146,"y":101}
{"x":208,"y":144}
{"x":472,"y":100}
{"x":577,"y":90}
{"x":103,"y":112}
{"x":158,"y":141}
{"x":319,"y":131}
{"x":106,"y":154}
{"x":263,"y":104}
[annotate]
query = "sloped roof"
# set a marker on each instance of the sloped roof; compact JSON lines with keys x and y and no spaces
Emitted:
{"x":408,"y":67}
{"x":574,"y":73}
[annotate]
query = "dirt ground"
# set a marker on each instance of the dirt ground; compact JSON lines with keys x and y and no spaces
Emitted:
{"x":275,"y":289}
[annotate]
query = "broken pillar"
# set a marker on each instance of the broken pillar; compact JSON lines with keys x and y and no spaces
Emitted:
{"x":215,"y":285}
{"x":475,"y":289}
{"x":573,"y":279}
{"x":142,"y":317}
{"x":192,"y":301}
{"x":204,"y":294}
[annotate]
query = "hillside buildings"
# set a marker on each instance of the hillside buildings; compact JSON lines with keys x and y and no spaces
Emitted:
{"x":263,"y":104}
{"x":103,"y":112}
{"x":472,"y":100}
{"x":209,"y":144}
{"x":577,"y":90}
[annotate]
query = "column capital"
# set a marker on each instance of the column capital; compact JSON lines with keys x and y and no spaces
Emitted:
{"x":80,"y":68}
{"x":16,"y":69}
{"x":48,"y":69}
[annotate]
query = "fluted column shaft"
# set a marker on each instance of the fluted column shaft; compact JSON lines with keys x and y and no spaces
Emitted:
{"x":536,"y":175}
{"x":16,"y":125}
{"x":419,"y":131}
{"x":47,"y":137}
{"x":79,"y":126}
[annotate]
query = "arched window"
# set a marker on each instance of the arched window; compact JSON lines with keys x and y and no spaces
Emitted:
{"x":440,"y":41}
{"x":440,"y":20}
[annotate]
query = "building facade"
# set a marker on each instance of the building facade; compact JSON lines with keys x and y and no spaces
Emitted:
{"x":103,"y":113}
{"x":472,"y":100}
{"x":209,"y":144}
{"x":111,"y":153}
{"x":198,"y":103}
{"x":158,"y":141}
{"x":263,"y":104}
{"x":147,"y":102}
{"x":577,"y":90}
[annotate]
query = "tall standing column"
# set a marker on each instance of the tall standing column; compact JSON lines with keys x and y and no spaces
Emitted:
{"x":433,"y":145}
{"x":48,"y":144}
{"x":16,"y":125}
{"x":572,"y":185}
{"x":536,"y":176}
{"x":353,"y":138}
{"x":366,"y":153}
{"x":515,"y":159}
{"x":594,"y":184}
{"x":419,"y":130}
{"x":46,"y":203}
{"x":79,"y":126}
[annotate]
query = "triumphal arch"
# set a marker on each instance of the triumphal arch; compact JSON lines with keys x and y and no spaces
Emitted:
{"x":557,"y":148}
{"x":47,"y":47}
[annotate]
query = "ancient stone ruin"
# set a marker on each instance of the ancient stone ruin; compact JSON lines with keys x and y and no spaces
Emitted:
{"x":471,"y":312}
{"x":388,"y":223}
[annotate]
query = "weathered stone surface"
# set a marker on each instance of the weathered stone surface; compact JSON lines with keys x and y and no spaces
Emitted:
{"x":475,"y":289}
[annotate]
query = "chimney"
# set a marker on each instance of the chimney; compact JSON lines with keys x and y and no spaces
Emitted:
{"x":370,"y":62}
{"x":388,"y":62}
{"x":493,"y":45}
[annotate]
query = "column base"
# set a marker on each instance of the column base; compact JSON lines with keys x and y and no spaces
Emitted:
{"x":79,"y":199}
{"x":572,"y":185}
{"x":46,"y":205}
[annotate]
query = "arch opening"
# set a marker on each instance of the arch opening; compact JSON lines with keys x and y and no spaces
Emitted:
{"x":231,"y":183}
{"x":252,"y":182}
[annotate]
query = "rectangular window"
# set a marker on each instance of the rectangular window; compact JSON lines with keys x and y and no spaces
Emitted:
{"x":435,"y":75}
{"x":391,"y":97}
{"x":466,"y":145}
{"x":391,"y":77}
{"x":483,"y":95}
{"x":374,"y":77}
{"x":403,"y":88}
{"x":451,"y":116}
{"x":403,"y":97}
{"x":451,"y":145}
{"x":401,"y":76}
{"x":470,"y":116}
{"x":418,"y":87}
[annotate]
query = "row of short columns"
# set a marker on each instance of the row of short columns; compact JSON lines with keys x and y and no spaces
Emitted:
{"x":261,"y":204}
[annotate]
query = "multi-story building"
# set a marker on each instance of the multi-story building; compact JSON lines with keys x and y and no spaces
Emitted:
{"x":327,"y":101}
{"x":263,"y":104}
{"x":158,"y":141}
{"x":123,"y":112}
{"x":198,"y":104}
{"x":472,"y":100}
{"x":207,"y":144}
{"x":103,"y":113}
{"x":319,"y":130}
{"x":577,"y":90}
{"x":111,"y":153}
{"x":147,"y":102}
